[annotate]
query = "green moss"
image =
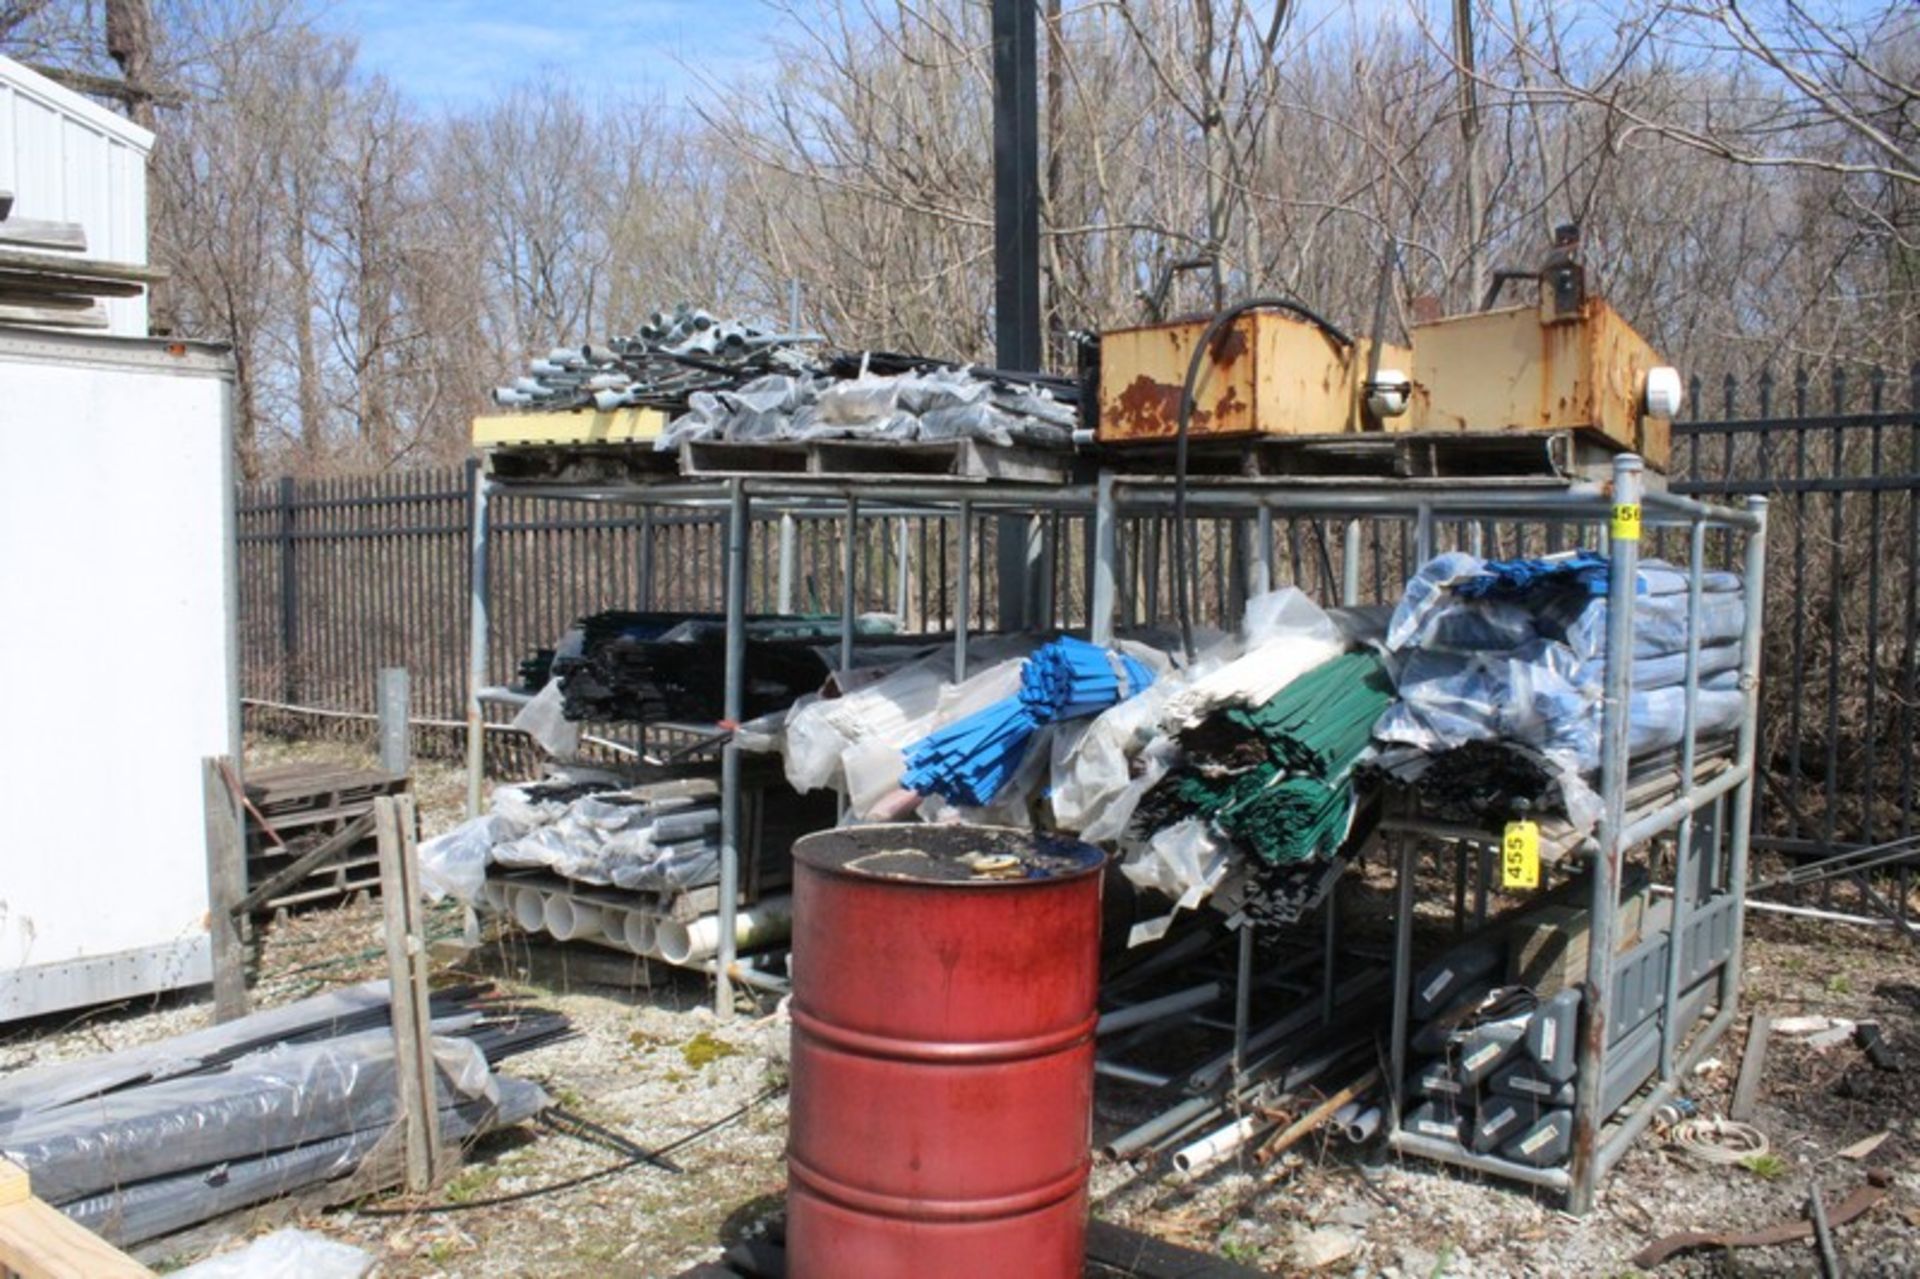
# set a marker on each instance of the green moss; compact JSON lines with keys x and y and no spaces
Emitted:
{"x":704,"y":1049}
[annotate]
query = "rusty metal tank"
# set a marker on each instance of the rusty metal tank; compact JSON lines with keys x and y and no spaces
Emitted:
{"x":944,"y":1001}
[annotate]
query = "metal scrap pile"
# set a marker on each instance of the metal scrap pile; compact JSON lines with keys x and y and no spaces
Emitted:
{"x":672,"y":356}
{"x":731,"y":381}
{"x":150,"y":1140}
{"x":929,"y":405}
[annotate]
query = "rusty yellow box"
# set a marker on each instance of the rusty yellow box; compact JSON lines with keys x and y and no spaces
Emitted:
{"x":1523,"y":368}
{"x":1268,"y":374}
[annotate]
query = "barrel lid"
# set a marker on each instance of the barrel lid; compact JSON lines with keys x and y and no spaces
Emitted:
{"x":958,"y":855}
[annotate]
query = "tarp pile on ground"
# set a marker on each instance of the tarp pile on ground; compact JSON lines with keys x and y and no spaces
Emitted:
{"x":150,"y":1140}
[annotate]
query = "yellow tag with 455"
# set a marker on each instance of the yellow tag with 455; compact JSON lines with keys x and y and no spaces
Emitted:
{"x":1626,"y":521}
{"x":1520,"y":856}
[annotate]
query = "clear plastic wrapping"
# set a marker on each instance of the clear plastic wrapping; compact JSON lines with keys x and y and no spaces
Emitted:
{"x":269,"y":1100}
{"x":285,"y":1254}
{"x":41,"y":1088}
{"x":131,"y":1213}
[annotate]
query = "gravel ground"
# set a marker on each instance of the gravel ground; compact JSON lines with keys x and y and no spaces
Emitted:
{"x":654,"y":1065}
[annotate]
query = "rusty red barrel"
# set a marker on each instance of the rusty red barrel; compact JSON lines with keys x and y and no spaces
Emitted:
{"x":945,"y":980}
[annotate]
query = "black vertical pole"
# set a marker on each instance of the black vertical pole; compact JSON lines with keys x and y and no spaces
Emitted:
{"x":289,"y":597}
{"x":1016,"y":250}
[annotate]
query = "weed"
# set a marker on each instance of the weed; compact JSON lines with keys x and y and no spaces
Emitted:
{"x":704,"y":1049}
{"x":1839,"y":984}
{"x":1767,"y":1167}
{"x":1244,"y":1251}
{"x":472,"y":1182}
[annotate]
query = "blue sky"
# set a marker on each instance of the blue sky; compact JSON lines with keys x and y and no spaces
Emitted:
{"x":455,"y":54}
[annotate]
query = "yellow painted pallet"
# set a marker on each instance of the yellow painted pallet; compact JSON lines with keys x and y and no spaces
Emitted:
{"x":580,"y":426}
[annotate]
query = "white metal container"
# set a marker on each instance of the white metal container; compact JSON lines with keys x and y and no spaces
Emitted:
{"x":68,"y":159}
{"x":117,"y":639}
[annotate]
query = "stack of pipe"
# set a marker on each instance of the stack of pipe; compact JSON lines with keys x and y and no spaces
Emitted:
{"x":669,"y":358}
{"x":1276,"y":779}
{"x":971,"y":760}
{"x":652,"y":681}
{"x":635,"y":925}
{"x":150,"y":1140}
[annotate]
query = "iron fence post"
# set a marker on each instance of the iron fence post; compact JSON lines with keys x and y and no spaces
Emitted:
{"x":289,"y":596}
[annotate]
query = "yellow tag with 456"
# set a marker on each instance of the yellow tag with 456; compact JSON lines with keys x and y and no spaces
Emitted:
{"x":1626,"y":521}
{"x":1520,"y":856}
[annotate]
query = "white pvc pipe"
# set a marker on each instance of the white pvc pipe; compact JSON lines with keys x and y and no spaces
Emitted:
{"x":765,"y":921}
{"x":636,"y":929}
{"x":530,"y":909}
{"x":1362,"y":1127}
{"x":568,"y":919}
{"x":496,"y":897}
{"x":1198,"y":1156}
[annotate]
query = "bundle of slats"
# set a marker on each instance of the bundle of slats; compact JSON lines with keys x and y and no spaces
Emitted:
{"x":1502,"y":667}
{"x":46,"y":279}
{"x":644,"y":681}
{"x":1277,"y":778}
{"x":150,"y":1140}
{"x":971,"y":760}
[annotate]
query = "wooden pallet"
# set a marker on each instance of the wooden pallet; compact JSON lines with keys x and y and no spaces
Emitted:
{"x":286,"y":790}
{"x":305,"y":805}
{"x":1536,"y":456}
{"x":38,"y":1241}
{"x":966,"y":461}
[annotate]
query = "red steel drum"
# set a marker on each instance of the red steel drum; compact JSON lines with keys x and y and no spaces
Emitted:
{"x":944,"y":1001}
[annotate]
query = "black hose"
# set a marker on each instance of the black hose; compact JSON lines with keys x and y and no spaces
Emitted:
{"x":655,"y":1158}
{"x":1182,"y":574}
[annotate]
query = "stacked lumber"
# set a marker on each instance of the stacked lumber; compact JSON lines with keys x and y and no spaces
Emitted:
{"x":46,"y":279}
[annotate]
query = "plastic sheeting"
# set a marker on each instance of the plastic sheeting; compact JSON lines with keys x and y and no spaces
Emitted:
{"x":657,"y":843}
{"x":1287,"y":635}
{"x":285,"y":1254}
{"x":42,"y":1088}
{"x":131,"y":1213}
{"x":1529,"y":666}
{"x":273,"y":1099}
{"x":938,"y":404}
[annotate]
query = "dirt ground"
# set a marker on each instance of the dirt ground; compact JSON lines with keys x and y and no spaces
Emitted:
{"x":654,"y":1064}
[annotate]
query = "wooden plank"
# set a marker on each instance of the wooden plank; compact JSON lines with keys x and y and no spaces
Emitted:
{"x":26,"y":262}
{"x":34,"y":233}
{"x":226,"y":884}
{"x":40,"y":1242}
{"x":1746,"y":1090}
{"x":407,"y":972}
{"x":285,"y":878}
{"x":93,"y":317}
{"x":14,"y":282}
{"x":15,"y":1185}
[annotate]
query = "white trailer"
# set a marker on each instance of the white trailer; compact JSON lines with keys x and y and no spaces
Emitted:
{"x":117,"y":639}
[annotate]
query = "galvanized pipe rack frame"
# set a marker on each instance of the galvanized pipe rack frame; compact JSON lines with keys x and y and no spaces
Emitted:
{"x":1425,"y":503}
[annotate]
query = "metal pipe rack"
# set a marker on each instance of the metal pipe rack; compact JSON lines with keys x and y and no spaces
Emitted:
{"x":1562,"y":505}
